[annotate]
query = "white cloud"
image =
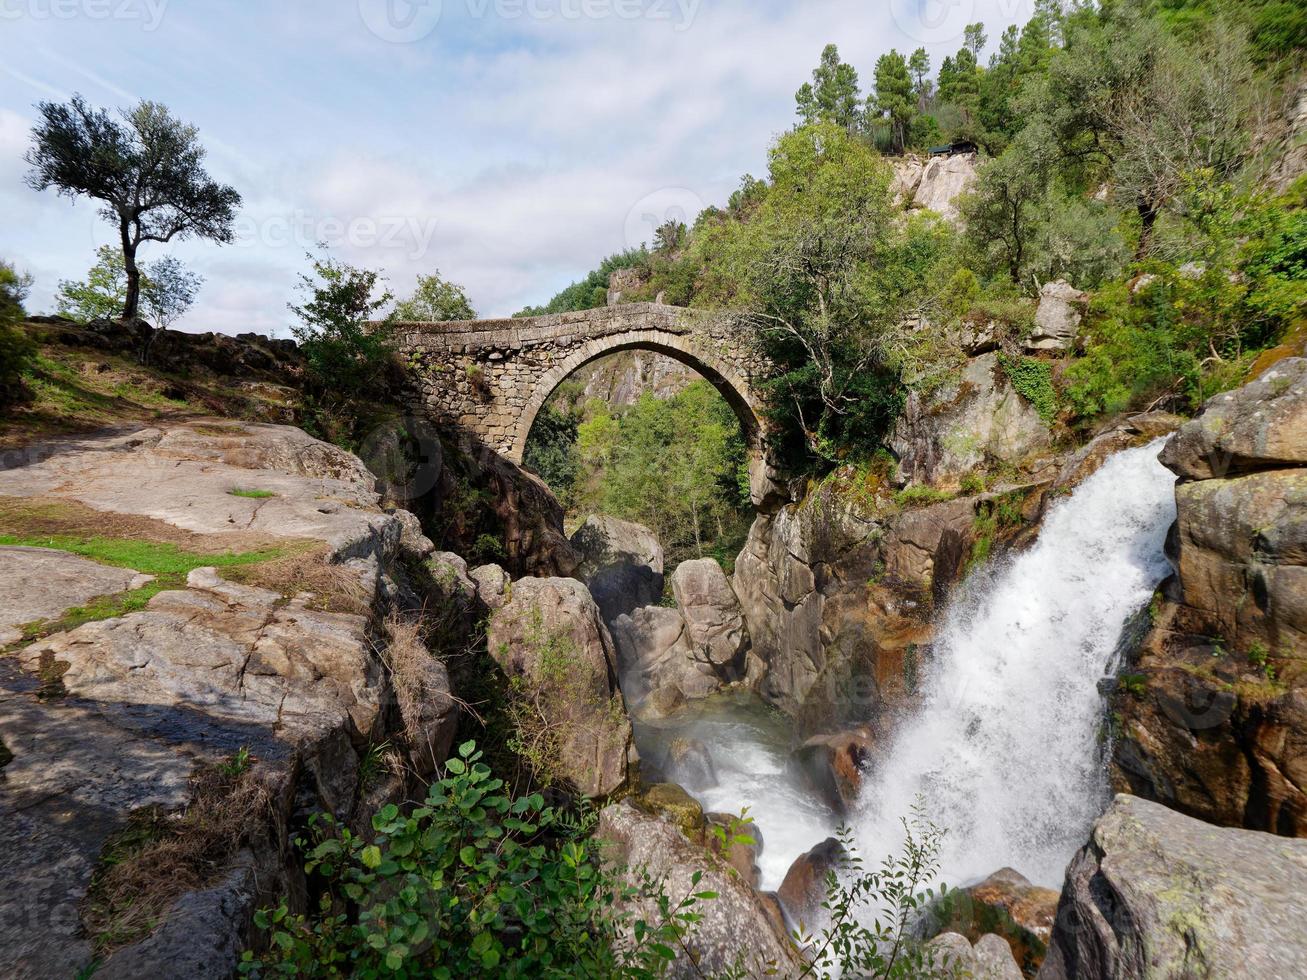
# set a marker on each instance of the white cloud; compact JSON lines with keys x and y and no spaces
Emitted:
{"x":506,"y":152}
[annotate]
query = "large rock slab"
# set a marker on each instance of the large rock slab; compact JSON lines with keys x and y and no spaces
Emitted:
{"x":1262,"y":425}
{"x":41,"y":583}
{"x":184,"y":474}
{"x":1057,"y":318}
{"x":736,"y":928}
{"x":714,"y":625}
{"x":1157,"y":894}
{"x":621,"y":564}
{"x":550,"y":638}
{"x":120,"y":713}
{"x":943,"y":180}
{"x":1214,"y":720}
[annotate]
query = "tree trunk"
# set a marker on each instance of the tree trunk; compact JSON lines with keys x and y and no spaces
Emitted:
{"x":133,"y":302}
{"x":1147,"y":218}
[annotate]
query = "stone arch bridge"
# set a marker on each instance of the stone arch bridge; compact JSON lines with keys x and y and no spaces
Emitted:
{"x":490,"y":378}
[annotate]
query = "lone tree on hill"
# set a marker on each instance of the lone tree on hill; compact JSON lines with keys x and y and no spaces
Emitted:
{"x":147,"y":170}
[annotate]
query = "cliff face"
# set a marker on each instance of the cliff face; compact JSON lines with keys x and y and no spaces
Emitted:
{"x":201,"y":708}
{"x":1212,"y":713}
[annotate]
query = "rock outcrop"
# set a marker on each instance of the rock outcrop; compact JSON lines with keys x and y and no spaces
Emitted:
{"x":551,"y":638}
{"x":979,"y":417}
{"x":737,"y":929}
{"x":1213,"y":714}
{"x":714,"y":625}
{"x":806,"y":883}
{"x":838,"y":591}
{"x":943,"y":180}
{"x":953,"y":955}
{"x":669,"y":656}
{"x":1057,"y":318}
{"x":122,"y":714}
{"x":1158,"y":894}
{"x":621,"y":564}
{"x":1005,"y":905}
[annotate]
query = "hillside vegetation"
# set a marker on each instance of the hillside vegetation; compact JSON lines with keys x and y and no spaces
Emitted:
{"x":1137,"y":150}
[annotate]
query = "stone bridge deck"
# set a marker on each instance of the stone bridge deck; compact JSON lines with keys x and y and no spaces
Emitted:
{"x":490,"y":378}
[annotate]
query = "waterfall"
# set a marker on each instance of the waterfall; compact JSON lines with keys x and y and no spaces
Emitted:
{"x":1003,"y":748}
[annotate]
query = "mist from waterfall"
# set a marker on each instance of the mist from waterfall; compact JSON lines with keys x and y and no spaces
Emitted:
{"x":1004,"y":746}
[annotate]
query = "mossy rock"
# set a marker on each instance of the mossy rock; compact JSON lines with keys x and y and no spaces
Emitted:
{"x":672,"y":801}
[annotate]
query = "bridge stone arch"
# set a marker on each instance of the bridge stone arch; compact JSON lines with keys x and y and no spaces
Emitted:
{"x":490,"y":378}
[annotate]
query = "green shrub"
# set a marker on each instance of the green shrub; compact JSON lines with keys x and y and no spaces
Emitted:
{"x":471,"y":883}
{"x":16,"y":349}
{"x":1033,"y":380}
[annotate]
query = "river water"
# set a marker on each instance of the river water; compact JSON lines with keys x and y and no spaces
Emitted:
{"x":1004,"y":747}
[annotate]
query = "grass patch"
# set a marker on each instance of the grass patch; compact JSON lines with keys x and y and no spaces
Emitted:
{"x":151,"y":557}
{"x":251,"y":493}
{"x":101,"y":607}
{"x":918,"y":495}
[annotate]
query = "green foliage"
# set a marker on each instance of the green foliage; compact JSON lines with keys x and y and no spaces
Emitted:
{"x":435,"y":300}
{"x":1033,"y":380}
{"x":251,"y":493}
{"x":671,"y":464}
{"x":101,"y":295}
{"x":168,"y":290}
{"x":894,"y":97}
{"x":1136,"y":685}
{"x":551,"y":450}
{"x":870,"y":912}
{"x":346,"y":353}
{"x":826,"y":276}
{"x":148,"y":557}
{"x":1260,"y":658}
{"x":16,"y":350}
{"x":920,"y":495}
{"x":147,"y":172}
{"x":832,"y":96}
{"x":592,"y":291}
{"x":472,"y":882}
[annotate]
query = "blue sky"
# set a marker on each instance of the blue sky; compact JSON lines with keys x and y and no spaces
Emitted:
{"x":509,"y":143}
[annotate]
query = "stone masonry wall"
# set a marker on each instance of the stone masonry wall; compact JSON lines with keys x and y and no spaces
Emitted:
{"x":490,"y":378}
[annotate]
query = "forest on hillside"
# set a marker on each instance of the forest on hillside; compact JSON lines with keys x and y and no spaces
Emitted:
{"x":1137,"y":149}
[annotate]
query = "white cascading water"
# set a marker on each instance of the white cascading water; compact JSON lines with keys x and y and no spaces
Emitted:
{"x":1003,"y":747}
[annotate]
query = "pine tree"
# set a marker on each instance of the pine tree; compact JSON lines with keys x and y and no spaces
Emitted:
{"x":832,"y":95}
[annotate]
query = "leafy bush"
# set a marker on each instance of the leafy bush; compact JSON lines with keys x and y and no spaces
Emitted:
{"x":346,"y":354}
{"x":870,"y":913}
{"x":1033,"y":380}
{"x":16,"y":350}
{"x":472,"y":882}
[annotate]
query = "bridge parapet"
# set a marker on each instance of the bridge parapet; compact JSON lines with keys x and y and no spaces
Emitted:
{"x":491,"y":377}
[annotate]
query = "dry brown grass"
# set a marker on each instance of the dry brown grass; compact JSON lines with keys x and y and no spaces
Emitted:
{"x":335,"y":588}
{"x":160,"y":856}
